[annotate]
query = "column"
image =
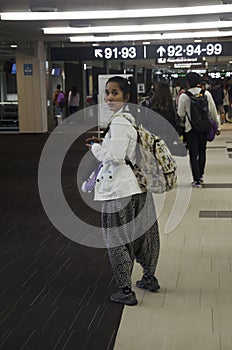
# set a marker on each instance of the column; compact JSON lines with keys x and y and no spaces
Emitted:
{"x":32,"y":94}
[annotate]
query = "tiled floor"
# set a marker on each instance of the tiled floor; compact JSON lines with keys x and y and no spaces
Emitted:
{"x":193,"y":309}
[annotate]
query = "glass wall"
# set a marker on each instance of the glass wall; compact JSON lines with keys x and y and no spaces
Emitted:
{"x":8,"y":95}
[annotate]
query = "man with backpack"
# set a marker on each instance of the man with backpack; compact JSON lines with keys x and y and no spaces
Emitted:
{"x":59,"y":102}
{"x":197,"y":107}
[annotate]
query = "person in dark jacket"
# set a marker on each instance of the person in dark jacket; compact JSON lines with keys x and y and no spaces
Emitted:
{"x":218,"y":97}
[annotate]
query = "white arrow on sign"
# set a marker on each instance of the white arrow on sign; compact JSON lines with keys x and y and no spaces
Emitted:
{"x":98,"y":53}
{"x":161,"y":50}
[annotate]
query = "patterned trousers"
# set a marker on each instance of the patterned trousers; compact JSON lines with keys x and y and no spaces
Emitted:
{"x":130,"y":231}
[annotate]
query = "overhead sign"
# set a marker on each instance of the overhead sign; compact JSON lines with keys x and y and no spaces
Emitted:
{"x":126,"y":52}
{"x":217,"y":75}
{"x":119,"y":52}
{"x":186,"y":50}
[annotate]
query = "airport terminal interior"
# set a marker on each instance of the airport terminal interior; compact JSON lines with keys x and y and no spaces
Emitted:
{"x":55,"y":283}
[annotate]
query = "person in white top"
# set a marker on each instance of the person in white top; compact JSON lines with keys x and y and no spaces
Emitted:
{"x":129,"y":221}
{"x":196,"y":141}
{"x":73,"y":100}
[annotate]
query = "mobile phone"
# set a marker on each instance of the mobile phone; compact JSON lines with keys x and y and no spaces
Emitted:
{"x":91,"y":142}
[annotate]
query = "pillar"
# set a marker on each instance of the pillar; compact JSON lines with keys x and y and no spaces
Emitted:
{"x":31,"y":86}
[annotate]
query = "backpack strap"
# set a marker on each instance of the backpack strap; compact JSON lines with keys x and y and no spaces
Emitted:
{"x":189,"y":93}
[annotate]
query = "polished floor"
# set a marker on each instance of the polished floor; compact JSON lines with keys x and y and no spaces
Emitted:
{"x":193,"y":309}
{"x":54,"y":293}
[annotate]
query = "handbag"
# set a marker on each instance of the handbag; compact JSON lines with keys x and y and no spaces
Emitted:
{"x":210,"y":134}
{"x":89,"y":184}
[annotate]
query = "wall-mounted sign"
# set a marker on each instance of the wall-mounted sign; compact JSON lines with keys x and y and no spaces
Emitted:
{"x":28,"y":68}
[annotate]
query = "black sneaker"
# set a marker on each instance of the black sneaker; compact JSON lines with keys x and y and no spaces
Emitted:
{"x":196,"y":184}
{"x":151,"y":283}
{"x":123,"y":298}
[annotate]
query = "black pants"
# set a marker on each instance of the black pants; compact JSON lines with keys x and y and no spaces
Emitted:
{"x":73,"y":109}
{"x":196,"y":143}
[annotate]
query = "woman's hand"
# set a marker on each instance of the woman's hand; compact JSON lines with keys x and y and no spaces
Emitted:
{"x":91,"y":140}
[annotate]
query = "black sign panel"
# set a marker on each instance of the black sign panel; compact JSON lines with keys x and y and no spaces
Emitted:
{"x":119,"y":52}
{"x":141,"y":52}
{"x":189,"y":50}
{"x":98,"y":53}
{"x":71,"y":53}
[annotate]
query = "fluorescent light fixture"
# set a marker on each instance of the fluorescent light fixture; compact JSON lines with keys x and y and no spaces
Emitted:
{"x":130,"y":13}
{"x":142,"y":37}
{"x":139,"y":28}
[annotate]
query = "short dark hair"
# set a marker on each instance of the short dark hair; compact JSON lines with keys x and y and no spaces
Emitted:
{"x":58,"y":86}
{"x":193,"y":79}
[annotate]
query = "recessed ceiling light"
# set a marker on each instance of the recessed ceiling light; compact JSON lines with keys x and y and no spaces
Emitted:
{"x":42,"y":9}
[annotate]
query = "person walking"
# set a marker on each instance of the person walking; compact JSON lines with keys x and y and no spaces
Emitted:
{"x":226,"y":103}
{"x":218,"y":97}
{"x":196,"y":141}
{"x":162,"y":103}
{"x":73,"y":100}
{"x":59,"y":103}
{"x":130,"y":228}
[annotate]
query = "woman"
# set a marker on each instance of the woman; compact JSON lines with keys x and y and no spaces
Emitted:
{"x":126,"y":210}
{"x":73,"y":100}
{"x":162,"y":104}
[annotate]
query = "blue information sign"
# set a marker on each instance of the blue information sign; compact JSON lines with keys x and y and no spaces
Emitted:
{"x":28,"y":69}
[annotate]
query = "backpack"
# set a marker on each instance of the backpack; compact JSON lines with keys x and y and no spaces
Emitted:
{"x":155,"y":167}
{"x":155,"y":162}
{"x":199,"y":111}
{"x":61,"y":99}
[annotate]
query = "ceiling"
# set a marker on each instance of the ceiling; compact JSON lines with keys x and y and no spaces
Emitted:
{"x":24,"y":33}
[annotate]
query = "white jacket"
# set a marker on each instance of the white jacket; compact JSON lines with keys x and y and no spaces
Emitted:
{"x":116,"y":178}
{"x":184,"y":107}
